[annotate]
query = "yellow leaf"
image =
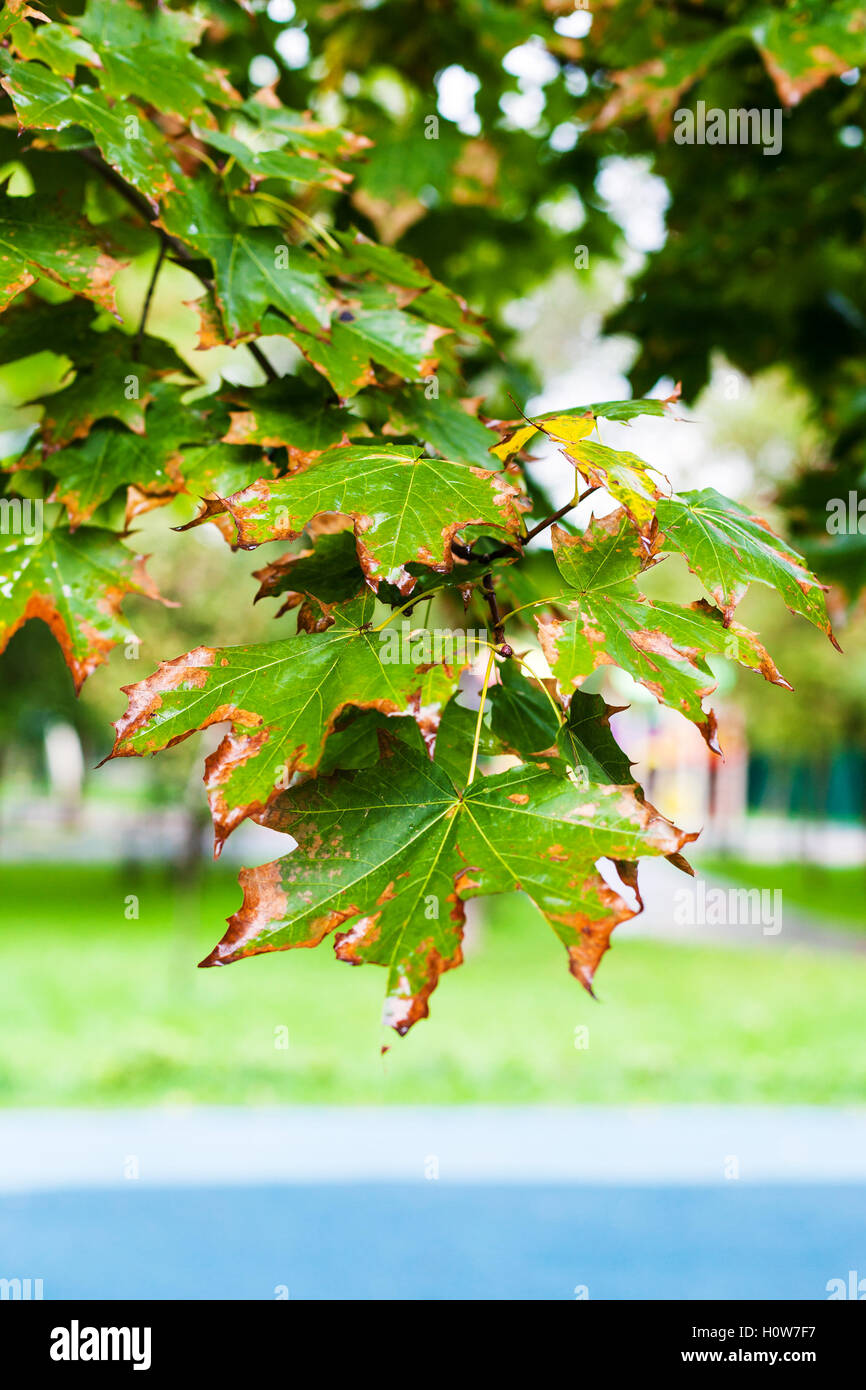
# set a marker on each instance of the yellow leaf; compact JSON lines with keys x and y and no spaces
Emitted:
{"x":514,"y":442}
{"x":568,"y":429}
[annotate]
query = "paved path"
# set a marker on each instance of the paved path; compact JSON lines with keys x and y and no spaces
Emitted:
{"x":670,"y":1203}
{"x":662,"y":887}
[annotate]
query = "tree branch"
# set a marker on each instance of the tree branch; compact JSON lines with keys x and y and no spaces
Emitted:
{"x":495,"y":616}
{"x":149,"y":211}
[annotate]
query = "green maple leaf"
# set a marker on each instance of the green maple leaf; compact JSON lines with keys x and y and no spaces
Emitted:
{"x":442,"y":422}
{"x":433,"y":300}
{"x":75,"y":585}
{"x":276,"y":163}
{"x":281,"y":700}
{"x":728,"y":548}
{"x":405,"y":507}
{"x":304,"y":428}
{"x":59,"y":46}
{"x":801,"y":56}
{"x":45,"y":101}
{"x":110,"y":383}
{"x":145,"y":52}
{"x":29,"y":324}
{"x":390,"y":855}
{"x":369,"y":328}
{"x":164,"y":459}
{"x":586,"y":741}
{"x":608,"y":622}
{"x":254,"y":268}
{"x":35,"y":241}
{"x":282,"y":125}
{"x":330,"y":573}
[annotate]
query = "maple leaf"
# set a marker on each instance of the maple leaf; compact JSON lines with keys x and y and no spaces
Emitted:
{"x":800,"y":59}
{"x":146,"y":52}
{"x":44,"y":100}
{"x":587,"y":743}
{"x":405,"y":507}
{"x":626,"y":477}
{"x":14,"y":11}
{"x":35,"y":242}
{"x":74,"y":584}
{"x":609,"y":622}
{"x":330,"y":573}
{"x":280,"y":124}
{"x":276,"y":163}
{"x":443,"y":422}
{"x":154,"y":463}
{"x":302,"y":427}
{"x":109,"y":382}
{"x":727,"y":548}
{"x":571,"y":426}
{"x":432,"y":300}
{"x":369,"y":328}
{"x":281,"y":699}
{"x":391,"y":854}
{"x":58,"y":46}
{"x":254,"y":268}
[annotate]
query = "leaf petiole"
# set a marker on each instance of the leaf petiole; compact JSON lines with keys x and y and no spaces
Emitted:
{"x":479,"y":721}
{"x":526,"y":667}
{"x":409,"y":604}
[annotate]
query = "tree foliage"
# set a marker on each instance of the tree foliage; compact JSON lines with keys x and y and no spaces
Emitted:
{"x":132,"y":135}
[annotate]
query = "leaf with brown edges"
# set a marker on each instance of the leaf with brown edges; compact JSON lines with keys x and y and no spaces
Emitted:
{"x":76,"y":585}
{"x":387,"y":857}
{"x":281,"y":700}
{"x":605,"y":620}
{"x":406,"y":508}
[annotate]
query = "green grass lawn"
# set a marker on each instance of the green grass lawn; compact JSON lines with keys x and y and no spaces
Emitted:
{"x":96,"y":1009}
{"x":829,"y":894}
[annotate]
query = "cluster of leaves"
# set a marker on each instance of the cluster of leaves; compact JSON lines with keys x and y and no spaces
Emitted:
{"x":763,"y":255}
{"x":762,"y":260}
{"x":126,"y":141}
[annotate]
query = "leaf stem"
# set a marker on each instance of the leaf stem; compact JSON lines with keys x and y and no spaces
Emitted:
{"x":479,"y":721}
{"x":534,"y":603}
{"x":526,"y":666}
{"x":419,"y":598}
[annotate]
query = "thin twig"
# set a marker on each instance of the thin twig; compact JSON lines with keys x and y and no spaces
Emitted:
{"x":145,"y":308}
{"x":504,"y":550}
{"x":548,"y":521}
{"x":258,"y":356}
